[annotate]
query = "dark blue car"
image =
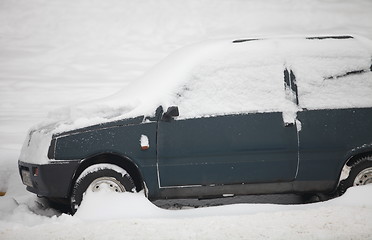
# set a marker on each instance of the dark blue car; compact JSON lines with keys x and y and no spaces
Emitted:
{"x":250,"y":116}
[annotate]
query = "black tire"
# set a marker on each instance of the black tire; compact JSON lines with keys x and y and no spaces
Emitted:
{"x":117,"y":179}
{"x":360,"y":174}
{"x":316,"y":197}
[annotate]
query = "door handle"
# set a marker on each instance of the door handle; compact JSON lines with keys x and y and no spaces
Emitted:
{"x":288,"y":124}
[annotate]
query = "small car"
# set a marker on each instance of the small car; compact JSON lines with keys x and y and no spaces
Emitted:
{"x":286,"y":114}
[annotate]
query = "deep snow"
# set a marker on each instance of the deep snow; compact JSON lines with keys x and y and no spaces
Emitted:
{"x":132,"y":216}
{"x":58,"y":53}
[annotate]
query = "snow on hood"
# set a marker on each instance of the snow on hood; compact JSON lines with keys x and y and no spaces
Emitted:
{"x":221,"y":77}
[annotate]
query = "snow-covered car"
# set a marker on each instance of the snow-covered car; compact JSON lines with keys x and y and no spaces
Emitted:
{"x":249,"y":116}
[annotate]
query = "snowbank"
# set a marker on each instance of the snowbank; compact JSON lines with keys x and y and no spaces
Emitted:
{"x":118,"y":215}
{"x":105,"y":206}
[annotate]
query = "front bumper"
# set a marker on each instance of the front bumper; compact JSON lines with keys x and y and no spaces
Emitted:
{"x":53,"y":180}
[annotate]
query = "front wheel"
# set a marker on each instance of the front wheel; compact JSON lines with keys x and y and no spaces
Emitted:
{"x":360,"y":174}
{"x":100,"y":177}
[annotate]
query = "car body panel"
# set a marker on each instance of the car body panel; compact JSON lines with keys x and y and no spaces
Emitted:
{"x":326,"y":139}
{"x":233,"y":149}
{"x":123,"y":140}
{"x":52,"y":180}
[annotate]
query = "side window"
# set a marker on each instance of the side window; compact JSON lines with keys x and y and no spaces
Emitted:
{"x":335,"y":74}
{"x":233,"y":86}
{"x":318,"y":89}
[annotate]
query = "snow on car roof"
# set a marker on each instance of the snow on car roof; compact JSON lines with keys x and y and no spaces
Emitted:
{"x":309,"y":38}
{"x":244,"y":75}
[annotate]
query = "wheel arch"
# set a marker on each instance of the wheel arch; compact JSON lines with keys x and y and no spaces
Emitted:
{"x":352,"y":159}
{"x":355,"y":158}
{"x":112,"y":158}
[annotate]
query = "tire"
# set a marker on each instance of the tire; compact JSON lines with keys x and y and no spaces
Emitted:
{"x":97,"y":177}
{"x":316,"y":197}
{"x":360,"y":174}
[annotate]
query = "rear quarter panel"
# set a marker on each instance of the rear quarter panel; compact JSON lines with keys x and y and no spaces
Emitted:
{"x":328,"y":138}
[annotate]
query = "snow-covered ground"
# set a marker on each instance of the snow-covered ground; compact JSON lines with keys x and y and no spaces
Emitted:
{"x":132,"y":216}
{"x":57,"y":53}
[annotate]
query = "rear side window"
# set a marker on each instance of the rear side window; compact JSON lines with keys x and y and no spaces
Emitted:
{"x":334,"y":74}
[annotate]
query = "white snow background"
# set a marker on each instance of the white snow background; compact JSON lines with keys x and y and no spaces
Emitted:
{"x":56,"y":53}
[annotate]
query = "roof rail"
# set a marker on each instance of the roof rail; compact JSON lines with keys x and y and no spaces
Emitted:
{"x":246,"y":40}
{"x":309,"y":38}
{"x":329,"y":37}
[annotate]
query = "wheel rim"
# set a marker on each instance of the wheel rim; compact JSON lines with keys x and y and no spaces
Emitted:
{"x":106,"y":183}
{"x":364,"y":177}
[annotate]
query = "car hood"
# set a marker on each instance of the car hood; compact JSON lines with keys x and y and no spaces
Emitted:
{"x":36,"y":145}
{"x":121,"y":122}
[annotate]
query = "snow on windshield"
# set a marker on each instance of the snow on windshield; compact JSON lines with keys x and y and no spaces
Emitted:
{"x":156,"y":88}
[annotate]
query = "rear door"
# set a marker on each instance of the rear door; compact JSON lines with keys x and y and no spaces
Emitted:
{"x":335,"y":93}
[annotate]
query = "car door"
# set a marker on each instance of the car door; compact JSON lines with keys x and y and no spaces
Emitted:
{"x":236,"y":122}
{"x":335,"y":119}
{"x":230,"y":149}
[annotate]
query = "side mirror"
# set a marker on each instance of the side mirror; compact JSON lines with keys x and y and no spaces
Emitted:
{"x":171,"y":113}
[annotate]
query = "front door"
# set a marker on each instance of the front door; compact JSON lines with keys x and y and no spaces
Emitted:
{"x":232,"y":128}
{"x":232,"y":149}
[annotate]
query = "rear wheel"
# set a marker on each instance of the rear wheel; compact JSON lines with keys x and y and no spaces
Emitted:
{"x":100,"y":177}
{"x":360,"y":174}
